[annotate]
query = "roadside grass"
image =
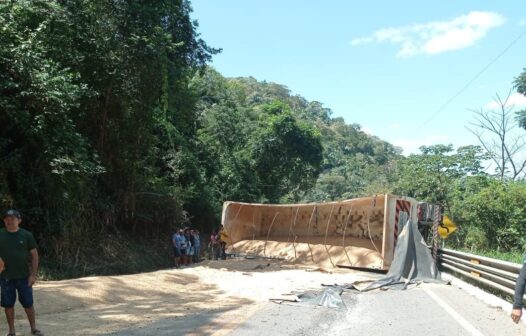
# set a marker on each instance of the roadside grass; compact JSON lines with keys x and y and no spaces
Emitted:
{"x":110,"y":255}
{"x":511,"y":256}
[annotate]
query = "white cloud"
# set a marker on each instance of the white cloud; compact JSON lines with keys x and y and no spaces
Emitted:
{"x":411,"y":146}
{"x":438,"y":36}
{"x":515,"y":100}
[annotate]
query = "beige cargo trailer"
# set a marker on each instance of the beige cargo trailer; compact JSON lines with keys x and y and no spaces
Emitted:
{"x":359,"y":232}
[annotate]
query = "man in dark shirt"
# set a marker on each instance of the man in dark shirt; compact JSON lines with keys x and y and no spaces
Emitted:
{"x":516,"y":313}
{"x":17,"y":248}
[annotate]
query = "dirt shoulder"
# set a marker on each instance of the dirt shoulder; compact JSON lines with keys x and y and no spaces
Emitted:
{"x":210,"y":298}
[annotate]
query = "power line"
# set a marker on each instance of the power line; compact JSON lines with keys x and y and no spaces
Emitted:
{"x":459,"y":92}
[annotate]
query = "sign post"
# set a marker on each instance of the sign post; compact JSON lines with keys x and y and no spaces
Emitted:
{"x":447,"y":227}
{"x":436,"y":223}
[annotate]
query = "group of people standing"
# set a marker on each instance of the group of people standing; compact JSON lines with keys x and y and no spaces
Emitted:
{"x":217,"y":243}
{"x":186,"y":247}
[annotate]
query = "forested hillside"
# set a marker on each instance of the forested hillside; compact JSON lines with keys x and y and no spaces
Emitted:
{"x":114,"y":130}
{"x":268,"y":145}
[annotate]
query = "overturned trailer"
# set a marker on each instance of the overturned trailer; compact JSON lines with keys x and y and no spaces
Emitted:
{"x":360,"y":232}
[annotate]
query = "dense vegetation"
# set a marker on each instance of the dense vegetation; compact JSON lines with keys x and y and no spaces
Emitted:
{"x":114,"y":131}
{"x":263,"y":144}
{"x":98,"y":124}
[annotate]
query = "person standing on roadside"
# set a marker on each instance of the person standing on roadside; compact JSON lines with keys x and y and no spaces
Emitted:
{"x":190,"y":247}
{"x":223,"y":236}
{"x":17,"y":248}
{"x":214,"y":245}
{"x":197,"y":247}
{"x":183,"y":247}
{"x":520,"y":286}
{"x":176,"y":242}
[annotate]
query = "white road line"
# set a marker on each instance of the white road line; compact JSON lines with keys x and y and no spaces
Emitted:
{"x":487,"y":298}
{"x":462,"y":321}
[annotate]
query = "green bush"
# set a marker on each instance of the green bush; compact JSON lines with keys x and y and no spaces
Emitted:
{"x":475,"y":239}
{"x":498,"y":210}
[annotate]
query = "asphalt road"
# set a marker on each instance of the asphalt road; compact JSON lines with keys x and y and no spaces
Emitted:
{"x":429,"y":310}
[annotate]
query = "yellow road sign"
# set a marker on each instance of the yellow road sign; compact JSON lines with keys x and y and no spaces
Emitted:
{"x":447,"y":227}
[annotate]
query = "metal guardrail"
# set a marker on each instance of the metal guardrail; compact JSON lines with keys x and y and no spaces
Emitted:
{"x":494,"y":273}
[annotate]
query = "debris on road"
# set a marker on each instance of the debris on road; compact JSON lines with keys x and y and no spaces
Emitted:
{"x":286,"y":297}
{"x":262,"y":266}
{"x":331,"y":298}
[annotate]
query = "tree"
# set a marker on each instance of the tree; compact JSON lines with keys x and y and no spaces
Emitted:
{"x":502,"y":145}
{"x":253,"y":146}
{"x":431,"y":175}
{"x":520,"y":85}
{"x":225,"y":127}
{"x":498,"y":209}
{"x":287,"y":153}
{"x":98,"y":121}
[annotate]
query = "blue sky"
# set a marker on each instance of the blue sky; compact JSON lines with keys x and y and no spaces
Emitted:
{"x":386,"y":65}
